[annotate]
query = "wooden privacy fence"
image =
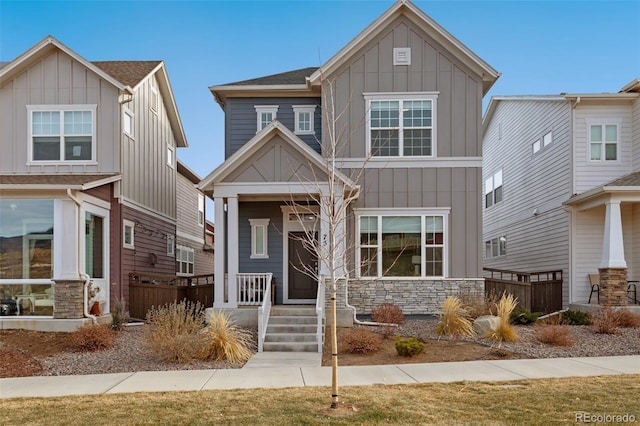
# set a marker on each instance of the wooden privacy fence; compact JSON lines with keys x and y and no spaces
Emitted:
{"x":147,"y":290}
{"x":536,"y":291}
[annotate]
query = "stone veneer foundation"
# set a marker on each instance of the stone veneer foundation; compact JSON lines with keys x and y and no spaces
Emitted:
{"x":68,"y":296}
{"x":613,"y":286}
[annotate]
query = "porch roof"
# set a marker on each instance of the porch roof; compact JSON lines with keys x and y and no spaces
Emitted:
{"x":625,"y":188}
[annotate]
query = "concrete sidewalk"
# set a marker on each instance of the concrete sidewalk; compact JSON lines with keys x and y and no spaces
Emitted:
{"x":265,"y":373}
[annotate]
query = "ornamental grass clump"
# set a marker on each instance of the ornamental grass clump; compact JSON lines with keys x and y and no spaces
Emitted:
{"x":223,"y":340}
{"x":454,"y":319}
{"x":505,"y":331}
{"x":174,"y":330}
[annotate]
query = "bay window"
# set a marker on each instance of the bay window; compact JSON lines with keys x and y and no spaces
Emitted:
{"x":401,"y":244}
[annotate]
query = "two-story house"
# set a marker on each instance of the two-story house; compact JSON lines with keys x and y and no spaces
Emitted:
{"x":561,"y":189}
{"x":401,"y":103}
{"x":87,"y":180}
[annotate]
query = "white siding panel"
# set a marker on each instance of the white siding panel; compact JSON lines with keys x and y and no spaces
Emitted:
{"x":635,"y":116}
{"x":587,"y":247}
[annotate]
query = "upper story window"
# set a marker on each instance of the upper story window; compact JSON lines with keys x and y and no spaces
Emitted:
{"x":265,"y":115}
{"x":171,"y":245}
{"x":200,"y":209}
{"x":171,"y":161}
{"x":547,"y":139}
{"x":493,"y":189}
{"x":127,"y":122}
{"x":401,"y":125}
{"x":61,"y":133}
{"x":304,"y":119}
{"x":184,"y":260}
{"x":128,"y":234}
{"x":603,"y":142}
{"x":536,"y":146}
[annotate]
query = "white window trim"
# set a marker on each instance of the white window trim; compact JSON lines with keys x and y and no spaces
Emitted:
{"x":179,"y":260}
{"x":260,"y":109}
{"x":128,"y":224}
{"x":171,"y":245}
{"x":297,"y":109}
{"x":61,"y":108}
{"x":257,"y":224}
{"x":603,"y":122}
{"x":201,"y":213}
{"x":444,"y":212}
{"x":404,"y":96}
{"x":171,"y":158}
{"x":126,"y":112}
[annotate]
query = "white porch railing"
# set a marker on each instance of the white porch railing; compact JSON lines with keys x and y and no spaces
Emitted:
{"x":263,"y":314}
{"x":252,"y":288}
{"x":320,"y":313}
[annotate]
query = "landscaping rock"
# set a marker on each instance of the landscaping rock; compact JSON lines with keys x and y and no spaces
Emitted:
{"x":486,"y":324}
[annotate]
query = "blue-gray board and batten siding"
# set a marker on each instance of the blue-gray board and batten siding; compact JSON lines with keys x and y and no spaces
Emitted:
{"x":241,"y":120}
{"x":262,"y":210}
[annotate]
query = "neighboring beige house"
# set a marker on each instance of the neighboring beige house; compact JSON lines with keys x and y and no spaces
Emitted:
{"x":562,"y":189}
{"x":193,"y":255}
{"x":409,"y":99}
{"x":87,"y":180}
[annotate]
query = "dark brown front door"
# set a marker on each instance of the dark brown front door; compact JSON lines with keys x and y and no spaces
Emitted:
{"x":301,"y":285}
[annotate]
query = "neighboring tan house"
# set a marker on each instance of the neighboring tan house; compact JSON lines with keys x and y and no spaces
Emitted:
{"x":562,"y":188}
{"x":87,"y":179}
{"x":409,"y":96}
{"x":193,"y":256}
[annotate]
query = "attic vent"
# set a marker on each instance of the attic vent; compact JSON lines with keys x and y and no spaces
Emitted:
{"x":154,"y":100}
{"x":401,"y":56}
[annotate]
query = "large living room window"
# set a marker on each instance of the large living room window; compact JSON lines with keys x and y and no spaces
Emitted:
{"x":62,"y":133}
{"x":401,"y":124}
{"x":401,"y":244}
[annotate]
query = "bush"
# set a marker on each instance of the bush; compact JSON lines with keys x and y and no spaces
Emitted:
{"x":409,"y":346}
{"x":454,"y":319}
{"x":523,"y":316}
{"x":576,"y":318}
{"x":93,"y":337}
{"x":555,"y":335}
{"x":362,"y":341}
{"x":174,"y":331}
{"x":505,"y":331}
{"x":605,"y":321}
{"x":388,"y":313}
{"x":477,"y":304}
{"x":223,"y":340}
{"x":627,"y":319}
{"x":119,"y":317}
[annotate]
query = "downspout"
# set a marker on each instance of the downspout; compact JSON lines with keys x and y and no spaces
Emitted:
{"x":85,"y":277}
{"x":356,"y":320}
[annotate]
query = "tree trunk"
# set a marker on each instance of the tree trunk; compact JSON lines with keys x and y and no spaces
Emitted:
{"x":334,"y":349}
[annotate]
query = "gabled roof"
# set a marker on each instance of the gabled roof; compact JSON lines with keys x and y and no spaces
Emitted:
{"x":58,"y":181}
{"x":261,"y":138}
{"x":130,"y":73}
{"x":495,"y":100}
{"x":628,"y":184}
{"x":411,"y":11}
{"x":188,"y":173}
{"x":289,"y":77}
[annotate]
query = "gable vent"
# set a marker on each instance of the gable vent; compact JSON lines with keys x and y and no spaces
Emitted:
{"x":154,"y":100}
{"x":401,"y":56}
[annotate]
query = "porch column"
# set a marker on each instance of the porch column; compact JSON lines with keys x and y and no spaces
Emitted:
{"x":232,"y":245}
{"x":69,"y":237}
{"x":340,"y":230}
{"x":219,"y":254}
{"x":613,"y":267}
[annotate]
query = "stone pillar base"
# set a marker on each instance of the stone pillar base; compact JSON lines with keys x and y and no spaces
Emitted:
{"x":613,"y":286}
{"x":68,"y":299}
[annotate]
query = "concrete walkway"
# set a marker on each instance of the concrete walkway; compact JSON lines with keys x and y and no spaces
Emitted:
{"x":267,"y":371}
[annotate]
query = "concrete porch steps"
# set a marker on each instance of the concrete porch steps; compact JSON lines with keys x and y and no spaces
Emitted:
{"x":291,"y":329}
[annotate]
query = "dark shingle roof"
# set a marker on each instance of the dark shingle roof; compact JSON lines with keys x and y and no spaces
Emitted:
{"x":51,"y":179}
{"x":129,"y":73}
{"x":632,"y":179}
{"x":289,"y":77}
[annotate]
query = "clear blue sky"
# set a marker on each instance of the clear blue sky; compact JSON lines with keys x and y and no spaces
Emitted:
{"x":540,"y":47}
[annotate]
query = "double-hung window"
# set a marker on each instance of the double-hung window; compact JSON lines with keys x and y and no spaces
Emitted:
{"x":401,"y":125}
{"x":401,"y":244}
{"x":265,"y":115}
{"x":303,"y":117}
{"x":62,"y":133}
{"x":603,"y":141}
{"x":184,"y":260}
{"x":493,"y":189}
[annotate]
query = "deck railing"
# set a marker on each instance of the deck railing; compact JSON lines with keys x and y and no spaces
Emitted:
{"x":320,"y":314}
{"x":263,"y":314}
{"x":536,"y":291}
{"x":252,"y":288}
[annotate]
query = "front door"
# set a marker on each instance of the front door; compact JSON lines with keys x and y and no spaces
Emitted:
{"x":95,"y":247}
{"x":302,"y":286}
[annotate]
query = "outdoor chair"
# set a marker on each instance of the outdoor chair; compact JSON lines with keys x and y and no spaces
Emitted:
{"x":594,"y":280}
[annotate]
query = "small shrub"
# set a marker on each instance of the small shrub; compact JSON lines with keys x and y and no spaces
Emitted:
{"x":605,"y":321}
{"x":505,"y":331}
{"x":409,"y":346}
{"x":571,"y":317}
{"x":555,"y":335}
{"x":92,"y":337}
{"x":223,"y":340}
{"x":388,"y":313}
{"x":362,"y":341}
{"x":119,"y":317}
{"x":174,"y":331}
{"x":523,"y":316}
{"x":454,"y":319}
{"x":627,"y":319}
